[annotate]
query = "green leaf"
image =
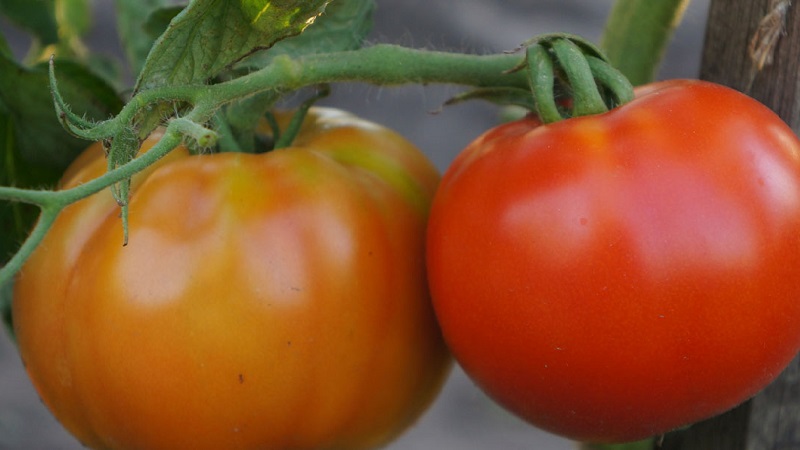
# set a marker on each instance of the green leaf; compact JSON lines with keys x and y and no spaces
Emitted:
{"x":132,"y":19}
{"x":269,"y":16}
{"x":343,"y":26}
{"x":210,"y":35}
{"x":40,"y":138}
{"x":36,"y":16}
{"x":158,"y":22}
{"x":503,"y":96}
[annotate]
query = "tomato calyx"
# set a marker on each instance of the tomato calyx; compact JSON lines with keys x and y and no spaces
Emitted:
{"x":571,"y":77}
{"x":568,"y":76}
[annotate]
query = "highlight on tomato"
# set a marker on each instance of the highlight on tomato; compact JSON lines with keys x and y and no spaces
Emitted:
{"x":272,"y":300}
{"x":615,"y":276}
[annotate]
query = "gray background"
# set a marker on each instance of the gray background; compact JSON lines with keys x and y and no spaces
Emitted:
{"x":462,"y":418}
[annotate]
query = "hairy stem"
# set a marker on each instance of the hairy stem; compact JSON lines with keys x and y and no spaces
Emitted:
{"x":380,"y":65}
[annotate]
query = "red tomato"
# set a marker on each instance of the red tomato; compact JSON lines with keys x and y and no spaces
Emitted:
{"x":274,"y":301}
{"x":613,"y":277}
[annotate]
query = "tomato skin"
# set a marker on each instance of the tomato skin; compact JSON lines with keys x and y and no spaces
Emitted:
{"x":267,"y":301}
{"x":613,"y":277}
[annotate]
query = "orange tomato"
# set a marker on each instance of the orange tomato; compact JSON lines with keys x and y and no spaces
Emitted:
{"x":275,"y":301}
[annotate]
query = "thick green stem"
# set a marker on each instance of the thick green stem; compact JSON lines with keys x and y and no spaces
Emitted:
{"x":31,"y":196}
{"x":636,"y":34}
{"x":379,"y":65}
{"x":201,"y":135}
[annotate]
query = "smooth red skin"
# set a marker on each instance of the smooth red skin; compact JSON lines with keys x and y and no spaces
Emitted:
{"x":273,"y":301}
{"x":613,"y":277}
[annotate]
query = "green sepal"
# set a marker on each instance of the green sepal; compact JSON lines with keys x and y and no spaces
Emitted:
{"x":503,"y":96}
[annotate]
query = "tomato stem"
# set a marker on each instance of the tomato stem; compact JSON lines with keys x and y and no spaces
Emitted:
{"x":227,"y":140}
{"x":586,"y":97}
{"x":286,"y":137}
{"x":542,"y":79}
{"x":242,"y":118}
{"x":565,"y":63}
{"x":202,"y":135}
{"x":619,"y":86}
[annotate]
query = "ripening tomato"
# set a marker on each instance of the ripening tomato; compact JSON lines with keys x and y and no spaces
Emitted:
{"x":616,"y":276}
{"x":272,"y":301}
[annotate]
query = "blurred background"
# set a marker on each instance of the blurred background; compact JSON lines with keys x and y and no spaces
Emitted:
{"x":462,"y":418}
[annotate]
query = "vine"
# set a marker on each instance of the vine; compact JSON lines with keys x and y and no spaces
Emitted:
{"x":379,"y":65}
